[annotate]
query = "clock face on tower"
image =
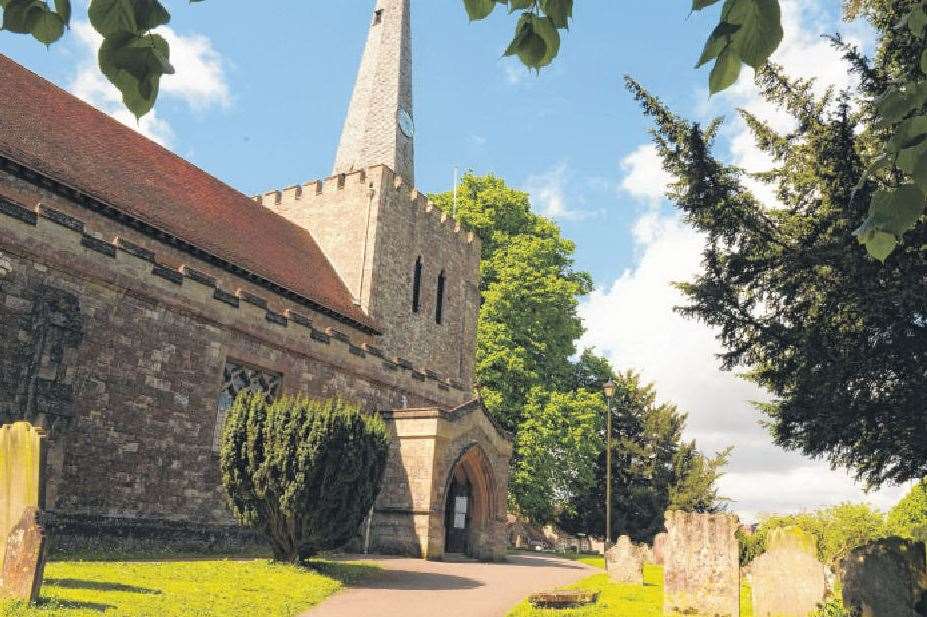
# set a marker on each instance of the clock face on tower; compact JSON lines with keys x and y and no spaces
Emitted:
{"x":405,"y":123}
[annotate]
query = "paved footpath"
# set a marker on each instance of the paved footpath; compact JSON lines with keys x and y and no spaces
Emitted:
{"x":419,"y":588}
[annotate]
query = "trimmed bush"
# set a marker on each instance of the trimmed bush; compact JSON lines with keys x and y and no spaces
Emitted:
{"x":304,"y":472}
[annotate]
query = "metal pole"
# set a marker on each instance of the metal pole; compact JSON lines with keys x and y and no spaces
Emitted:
{"x":608,"y":479}
{"x":454,"y":212}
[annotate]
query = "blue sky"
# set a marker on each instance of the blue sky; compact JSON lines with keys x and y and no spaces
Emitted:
{"x":260,"y":97}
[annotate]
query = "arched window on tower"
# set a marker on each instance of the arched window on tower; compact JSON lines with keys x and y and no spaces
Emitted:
{"x":439,"y":301}
{"x":417,"y":286}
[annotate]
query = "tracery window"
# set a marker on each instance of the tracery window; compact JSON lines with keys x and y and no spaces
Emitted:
{"x":237,"y":378}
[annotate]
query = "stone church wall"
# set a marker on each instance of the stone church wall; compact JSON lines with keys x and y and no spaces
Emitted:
{"x":135,"y":336}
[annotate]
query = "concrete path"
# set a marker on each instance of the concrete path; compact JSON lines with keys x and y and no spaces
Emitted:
{"x":419,"y":588}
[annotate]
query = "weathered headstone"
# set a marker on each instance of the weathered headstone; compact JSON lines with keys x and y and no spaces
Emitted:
{"x":24,"y":562}
{"x":22,"y":474}
{"x":788,"y":580}
{"x":624,"y":562}
{"x":659,"y":548}
{"x":886,"y":578}
{"x":701,"y":565}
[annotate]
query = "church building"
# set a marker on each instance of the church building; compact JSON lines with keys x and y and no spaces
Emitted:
{"x":139,"y":295}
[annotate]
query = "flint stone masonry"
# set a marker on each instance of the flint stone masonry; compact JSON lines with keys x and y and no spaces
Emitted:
{"x":886,"y":578}
{"x":702,"y":569}
{"x":24,"y":560}
{"x":624,"y":562}
{"x":788,"y":580}
{"x":22,"y":475}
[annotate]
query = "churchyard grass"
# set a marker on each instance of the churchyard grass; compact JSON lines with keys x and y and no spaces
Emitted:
{"x":185,"y":588}
{"x":620,"y":600}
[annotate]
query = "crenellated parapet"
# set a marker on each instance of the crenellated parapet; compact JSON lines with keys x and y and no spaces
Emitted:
{"x":317,"y":193}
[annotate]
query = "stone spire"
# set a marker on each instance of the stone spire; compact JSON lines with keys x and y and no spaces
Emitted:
{"x":379,"y":127}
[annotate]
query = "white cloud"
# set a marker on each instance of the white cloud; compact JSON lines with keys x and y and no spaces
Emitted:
{"x":199,"y":81}
{"x":644,"y":176}
{"x":515,"y":72}
{"x":632,"y":320}
{"x":548,"y":192}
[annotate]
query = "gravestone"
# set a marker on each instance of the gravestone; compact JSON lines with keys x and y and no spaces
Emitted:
{"x":22,"y":474}
{"x":624,"y":562}
{"x":659,"y":548}
{"x":788,"y":580}
{"x":886,"y":578}
{"x":701,"y":565}
{"x":24,"y":561}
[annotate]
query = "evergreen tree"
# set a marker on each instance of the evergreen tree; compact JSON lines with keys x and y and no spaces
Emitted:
{"x":653,"y":468}
{"x":838,"y":338}
{"x":303,"y":472}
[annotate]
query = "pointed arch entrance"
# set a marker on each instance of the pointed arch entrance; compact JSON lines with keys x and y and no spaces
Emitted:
{"x":469,"y":503}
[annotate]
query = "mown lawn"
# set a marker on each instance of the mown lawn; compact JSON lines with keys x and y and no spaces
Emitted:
{"x":620,"y":600}
{"x":185,"y":588}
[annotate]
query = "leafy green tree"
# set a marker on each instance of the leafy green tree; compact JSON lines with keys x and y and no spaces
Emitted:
{"x":557,"y":450}
{"x":908,"y":519}
{"x":653,"y":468}
{"x":836,"y":337}
{"x":304,"y":472}
{"x":837,"y":530}
{"x":530,"y":292}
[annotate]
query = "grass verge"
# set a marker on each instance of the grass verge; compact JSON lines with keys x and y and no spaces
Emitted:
{"x":617,"y":600}
{"x":185,"y":588}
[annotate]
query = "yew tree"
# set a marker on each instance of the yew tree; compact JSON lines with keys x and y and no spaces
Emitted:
{"x":836,"y":336}
{"x":303,"y":472}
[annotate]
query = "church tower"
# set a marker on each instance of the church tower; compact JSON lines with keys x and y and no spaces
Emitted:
{"x":379,"y":128}
{"x":410,"y":267}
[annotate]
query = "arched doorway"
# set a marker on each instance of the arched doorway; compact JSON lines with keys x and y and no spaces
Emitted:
{"x":470,"y":500}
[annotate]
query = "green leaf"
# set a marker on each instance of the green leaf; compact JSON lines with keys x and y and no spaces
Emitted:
{"x":544,"y":28}
{"x":893,"y":105}
{"x":20,"y":16}
{"x":135,"y":64}
{"x":896,"y":210}
{"x":919,"y":172}
{"x":558,"y":11}
{"x":479,"y":9}
{"x":63,"y":8}
{"x":917,"y":21}
{"x":760,"y":30}
{"x":924,"y":62}
{"x":725,"y":72}
{"x":149,"y":14}
{"x":48,"y":26}
{"x":698,"y":5}
{"x":719,"y":40}
{"x":879,"y":244}
{"x":110,"y":17}
{"x":521,"y":5}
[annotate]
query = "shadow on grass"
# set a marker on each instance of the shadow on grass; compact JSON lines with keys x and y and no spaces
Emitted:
{"x":73,"y":583}
{"x":73,"y":605}
{"x":345,"y":573}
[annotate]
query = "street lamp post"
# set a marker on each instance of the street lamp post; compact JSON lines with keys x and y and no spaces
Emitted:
{"x":609,"y":389}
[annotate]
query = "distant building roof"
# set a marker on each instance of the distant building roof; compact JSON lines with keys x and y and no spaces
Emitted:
{"x":50,"y":131}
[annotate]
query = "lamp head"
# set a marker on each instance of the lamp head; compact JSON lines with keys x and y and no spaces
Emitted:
{"x":609,"y":388}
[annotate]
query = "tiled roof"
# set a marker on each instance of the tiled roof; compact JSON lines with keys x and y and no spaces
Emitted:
{"x":50,"y":131}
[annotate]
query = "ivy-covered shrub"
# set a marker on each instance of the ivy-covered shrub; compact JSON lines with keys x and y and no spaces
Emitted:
{"x":304,"y":472}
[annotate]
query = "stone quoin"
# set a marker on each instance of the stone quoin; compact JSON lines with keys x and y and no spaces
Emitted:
{"x":139,"y":295}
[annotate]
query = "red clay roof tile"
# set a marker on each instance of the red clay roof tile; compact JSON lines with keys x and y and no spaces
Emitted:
{"x":49,"y":130}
